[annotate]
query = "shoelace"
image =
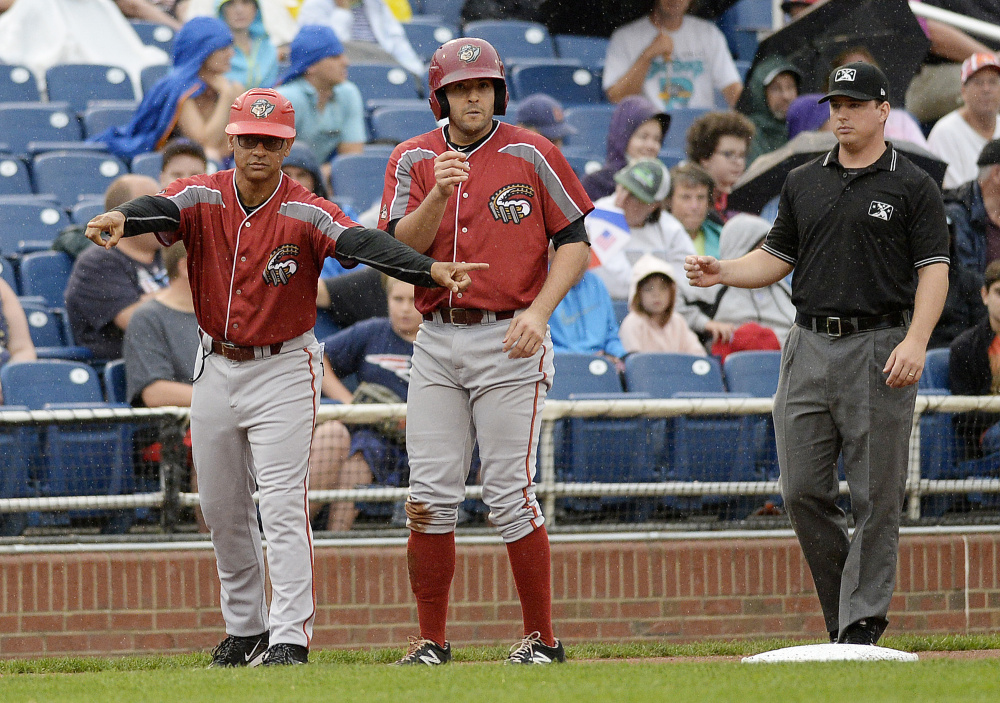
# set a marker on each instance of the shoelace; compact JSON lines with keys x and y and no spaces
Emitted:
{"x":415,"y":643}
{"x":526,"y":644}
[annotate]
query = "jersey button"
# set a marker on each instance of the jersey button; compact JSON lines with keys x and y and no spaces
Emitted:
{"x":236,"y":326}
{"x":247,"y":224}
{"x":243,"y":258}
{"x":239,"y":292}
{"x":465,"y":229}
{"x":465,"y":195}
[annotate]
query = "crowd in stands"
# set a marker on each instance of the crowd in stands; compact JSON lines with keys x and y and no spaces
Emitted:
{"x":682,"y":123}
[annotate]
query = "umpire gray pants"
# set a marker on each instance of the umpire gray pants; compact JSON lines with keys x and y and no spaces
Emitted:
{"x":832,"y":399}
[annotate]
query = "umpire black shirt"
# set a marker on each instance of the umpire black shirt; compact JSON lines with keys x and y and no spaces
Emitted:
{"x":856,"y":237}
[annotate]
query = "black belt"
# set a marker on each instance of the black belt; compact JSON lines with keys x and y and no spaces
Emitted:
{"x":842,"y":326}
{"x":468,"y":316}
{"x":235,"y":352}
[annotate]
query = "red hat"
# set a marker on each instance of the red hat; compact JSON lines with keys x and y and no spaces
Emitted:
{"x":748,"y":337}
{"x":262,"y":111}
{"x":977,"y":62}
{"x":462,"y":59}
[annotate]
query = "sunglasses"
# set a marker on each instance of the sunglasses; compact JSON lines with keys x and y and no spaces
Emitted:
{"x":250,"y":141}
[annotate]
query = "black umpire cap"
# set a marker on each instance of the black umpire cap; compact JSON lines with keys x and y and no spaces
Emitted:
{"x":990,"y":155}
{"x":858,"y":80}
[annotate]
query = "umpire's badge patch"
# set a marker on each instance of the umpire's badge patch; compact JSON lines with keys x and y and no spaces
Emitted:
{"x":469,"y":53}
{"x":882,"y":211}
{"x":511,"y":204}
{"x":261,"y":108}
{"x":281,"y":265}
{"x":845,"y":74}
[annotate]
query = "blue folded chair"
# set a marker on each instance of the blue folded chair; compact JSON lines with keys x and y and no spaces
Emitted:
{"x":18,"y":85}
{"x":21,"y":123}
{"x":71,"y":174}
{"x":79,"y":83}
{"x":514,"y":39}
{"x":45,"y":274}
{"x":15,"y":442}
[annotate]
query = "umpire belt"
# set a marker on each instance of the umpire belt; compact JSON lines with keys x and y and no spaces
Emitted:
{"x":467,"y":316}
{"x":235,"y":352}
{"x":843,"y":326}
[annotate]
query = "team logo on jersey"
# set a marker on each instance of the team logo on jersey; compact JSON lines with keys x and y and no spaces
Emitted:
{"x":511,"y":204}
{"x":882,"y":211}
{"x":845,"y":74}
{"x":384,"y":212}
{"x":261,"y":108}
{"x":398,"y":364}
{"x":469,"y":53}
{"x":281,"y":265}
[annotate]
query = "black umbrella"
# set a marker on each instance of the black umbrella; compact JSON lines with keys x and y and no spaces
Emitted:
{"x":600,"y":18}
{"x":763,"y":180}
{"x":887,"y":28}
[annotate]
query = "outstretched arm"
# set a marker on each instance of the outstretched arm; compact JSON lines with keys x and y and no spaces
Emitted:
{"x":754,"y":270}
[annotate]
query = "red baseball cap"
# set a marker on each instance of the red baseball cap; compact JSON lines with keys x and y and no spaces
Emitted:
{"x":977,"y":62}
{"x":262,"y":111}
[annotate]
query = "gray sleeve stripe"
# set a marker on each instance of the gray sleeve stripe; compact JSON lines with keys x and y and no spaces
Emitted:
{"x":553,"y":184}
{"x":314,"y":215}
{"x":171,"y":220}
{"x":773,"y":252}
{"x":194,"y":195}
{"x":404,"y":180}
{"x":932,"y":260}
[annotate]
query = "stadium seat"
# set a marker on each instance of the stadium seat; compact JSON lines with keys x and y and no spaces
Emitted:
{"x":583,"y":373}
{"x":936,"y":373}
{"x":621,"y":309}
{"x":21,"y":123}
{"x":398,"y":124}
{"x":80,"y":83}
{"x":14,"y":178}
{"x":8,"y":275}
{"x":591,"y":123}
{"x":155,"y":34}
{"x":700,"y":447}
{"x":150,"y":75}
{"x":106,"y":113}
{"x":570,"y":85}
{"x":514,"y":39}
{"x":381,"y":81}
{"x":86,"y":210}
{"x":589,"y":51}
{"x":755,"y":373}
{"x":113,"y":376}
{"x":148,"y":164}
{"x":426,"y":34}
{"x":71,"y":174}
{"x":359,"y":178}
{"x":582,"y":164}
{"x":74,"y":459}
{"x":15,"y":442}
{"x":45,"y":274}
{"x":49,"y":330}
{"x":18,"y":85}
{"x":681,"y":120}
{"x":447,"y":11}
{"x":27,"y":225}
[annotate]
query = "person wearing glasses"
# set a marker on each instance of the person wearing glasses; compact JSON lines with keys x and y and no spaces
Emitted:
{"x":256,"y":241}
{"x":718,"y":142}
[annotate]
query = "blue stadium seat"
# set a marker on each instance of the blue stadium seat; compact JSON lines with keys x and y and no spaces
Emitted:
{"x":583,"y":373}
{"x":114,"y":379}
{"x":426,"y":34}
{"x":148,"y":164}
{"x":400,"y":123}
{"x":589,"y":51}
{"x":18,"y":85}
{"x":514,"y":39}
{"x":359,"y":178}
{"x":447,"y":11}
{"x":86,"y":210}
{"x":8,"y":274}
{"x":80,"y":83}
{"x":27,"y":225}
{"x":49,"y":331}
{"x":681,"y":120}
{"x":70,"y":174}
{"x":45,"y":274}
{"x":570,"y":85}
{"x":21,"y":123}
{"x":381,"y":81}
{"x":106,"y":113}
{"x":150,"y":75}
{"x":592,"y":123}
{"x":935,"y":373}
{"x":15,"y":442}
{"x":14,"y":179}
{"x":82,"y":458}
{"x":581,"y":163}
{"x":755,"y":373}
{"x":155,"y":34}
{"x":621,"y":309}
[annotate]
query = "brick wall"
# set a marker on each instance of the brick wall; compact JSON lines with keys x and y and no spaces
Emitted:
{"x":119,"y":602}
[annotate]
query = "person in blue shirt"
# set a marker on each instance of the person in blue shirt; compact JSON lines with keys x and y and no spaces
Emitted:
{"x":329,"y":111}
{"x":585,"y":321}
{"x":255,"y":61}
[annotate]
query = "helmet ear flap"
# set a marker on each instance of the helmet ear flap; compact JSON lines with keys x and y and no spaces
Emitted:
{"x":499,"y":96}
{"x":442,"y":100}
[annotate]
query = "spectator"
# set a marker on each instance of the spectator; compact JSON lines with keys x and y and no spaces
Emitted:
{"x":279,"y":22}
{"x":15,"y":339}
{"x":652,"y":324}
{"x":771,"y":306}
{"x":150,"y":11}
{"x":690,"y":201}
{"x":368,"y":29}
{"x":636,"y":131}
{"x":377,"y":352}
{"x":772,"y":87}
{"x":672,"y":58}
{"x":255,"y":60}
{"x":584,"y":322}
{"x":718,"y":142}
{"x":182,"y":158}
{"x":192,"y":100}
{"x":543,"y":114}
{"x":974,"y":212}
{"x":959,"y":136}
{"x":352,"y":297}
{"x":301,"y":166}
{"x":807,"y":114}
{"x":107,"y":286}
{"x":974,"y":365}
{"x":329,"y":110}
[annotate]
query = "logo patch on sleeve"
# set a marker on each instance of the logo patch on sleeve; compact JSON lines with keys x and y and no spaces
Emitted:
{"x":882,"y":211}
{"x":511,"y":204}
{"x":281,"y":265}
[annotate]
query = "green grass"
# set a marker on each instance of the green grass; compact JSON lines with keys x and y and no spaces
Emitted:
{"x":599,"y":675}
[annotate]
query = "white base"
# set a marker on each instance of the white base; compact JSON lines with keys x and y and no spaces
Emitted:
{"x":830,"y":653}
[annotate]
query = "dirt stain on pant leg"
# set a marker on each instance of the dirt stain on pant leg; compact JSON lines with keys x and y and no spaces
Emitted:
{"x":419,"y":515}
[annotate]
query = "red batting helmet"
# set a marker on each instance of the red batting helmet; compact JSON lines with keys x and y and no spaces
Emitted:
{"x":262,"y":111}
{"x":459,"y":60}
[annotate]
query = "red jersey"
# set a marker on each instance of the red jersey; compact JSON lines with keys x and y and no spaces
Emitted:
{"x":253,"y":276}
{"x":520,"y":192}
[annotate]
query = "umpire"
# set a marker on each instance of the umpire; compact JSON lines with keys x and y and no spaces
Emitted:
{"x":866,"y":233}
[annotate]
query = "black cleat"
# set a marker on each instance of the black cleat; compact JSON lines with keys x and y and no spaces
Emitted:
{"x":864,"y":631}
{"x":284,"y":654}
{"x":239,"y":651}
{"x":426,"y":653}
{"x":531,"y":650}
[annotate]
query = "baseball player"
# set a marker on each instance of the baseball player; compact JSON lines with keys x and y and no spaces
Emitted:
{"x":478,"y":189}
{"x":256,"y":241}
